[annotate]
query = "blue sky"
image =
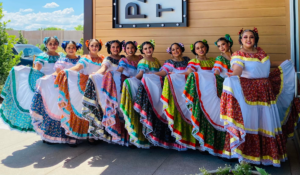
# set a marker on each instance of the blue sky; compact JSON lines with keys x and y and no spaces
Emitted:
{"x":34,"y":14}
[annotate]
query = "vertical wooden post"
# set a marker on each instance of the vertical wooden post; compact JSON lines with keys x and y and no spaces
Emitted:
{"x":88,"y":22}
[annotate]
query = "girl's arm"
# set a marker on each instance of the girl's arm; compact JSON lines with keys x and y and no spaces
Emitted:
{"x":237,"y":70}
{"x":57,"y":70}
{"x":120,"y":69}
{"x":217,"y":72}
{"x":139,"y":75}
{"x":188,"y":72}
{"x":103,"y":69}
{"x":161,"y":73}
{"x":38,"y":66}
{"x":77,"y":67}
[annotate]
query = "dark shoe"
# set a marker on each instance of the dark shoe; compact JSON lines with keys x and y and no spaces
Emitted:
{"x":49,"y":143}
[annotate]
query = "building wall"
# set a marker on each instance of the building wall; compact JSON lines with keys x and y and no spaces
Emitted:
{"x":208,"y":19}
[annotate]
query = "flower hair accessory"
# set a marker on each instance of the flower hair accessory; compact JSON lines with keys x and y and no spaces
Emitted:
{"x":56,"y":38}
{"x":152,"y":42}
{"x":100,"y":42}
{"x":241,"y":31}
{"x":64,"y":44}
{"x":45,"y":40}
{"x":192,"y":46}
{"x":255,"y":30}
{"x":139,"y":47}
{"x":78,"y":46}
{"x":204,"y":41}
{"x":169,"y":50}
{"x":87,"y":42}
{"x":181,"y":44}
{"x":135,"y":43}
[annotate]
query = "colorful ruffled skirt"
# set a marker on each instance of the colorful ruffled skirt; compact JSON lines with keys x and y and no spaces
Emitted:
{"x":259,"y":115}
{"x":131,"y":117}
{"x":150,"y":109}
{"x":45,"y":113}
{"x":17,"y":93}
{"x":202,"y":92}
{"x":71,"y":87}
{"x":176,"y":111}
{"x":92,"y":110}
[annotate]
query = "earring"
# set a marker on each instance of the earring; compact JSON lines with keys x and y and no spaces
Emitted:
{"x":197,"y":56}
{"x":221,"y":53}
{"x":241,"y":46}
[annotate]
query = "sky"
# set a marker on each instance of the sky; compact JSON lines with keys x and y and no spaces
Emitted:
{"x":35,"y":14}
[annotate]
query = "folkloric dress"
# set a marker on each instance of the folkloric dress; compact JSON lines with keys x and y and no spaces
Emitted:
{"x":72,"y":86}
{"x":223,"y":65}
{"x":45,"y":112}
{"x":175,"y":109}
{"x":131,"y":117}
{"x":18,"y":92}
{"x":255,"y":108}
{"x":150,"y":109}
{"x":203,"y":91}
{"x":100,"y":105}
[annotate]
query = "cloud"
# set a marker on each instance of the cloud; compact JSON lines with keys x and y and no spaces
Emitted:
{"x":26,"y":10}
{"x":65,"y":19}
{"x":51,"y":5}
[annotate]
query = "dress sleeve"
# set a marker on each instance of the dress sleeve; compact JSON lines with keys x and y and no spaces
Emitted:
{"x":221,"y":64}
{"x":122,"y":63}
{"x":83,"y":62}
{"x":167,"y":67}
{"x":60,"y":64}
{"x":237,"y":59}
{"x":194,"y":65}
{"x":107,"y":63}
{"x":40,"y":59}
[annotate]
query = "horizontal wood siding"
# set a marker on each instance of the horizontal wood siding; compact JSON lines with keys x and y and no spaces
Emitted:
{"x":208,"y":19}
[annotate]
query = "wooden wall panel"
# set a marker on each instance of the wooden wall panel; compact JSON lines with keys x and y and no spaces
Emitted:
{"x":209,"y":19}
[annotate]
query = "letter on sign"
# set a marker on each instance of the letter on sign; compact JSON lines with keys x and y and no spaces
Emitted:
{"x":136,"y":11}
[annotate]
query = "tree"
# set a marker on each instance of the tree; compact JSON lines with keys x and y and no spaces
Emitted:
{"x":79,"y":28}
{"x":7,"y":57}
{"x":9,"y":29}
{"x":51,"y":28}
{"x":21,"y":39}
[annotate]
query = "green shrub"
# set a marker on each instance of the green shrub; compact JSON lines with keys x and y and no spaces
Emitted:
{"x":7,"y":58}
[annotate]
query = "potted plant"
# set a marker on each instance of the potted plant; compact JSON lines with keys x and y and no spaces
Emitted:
{"x":240,"y":169}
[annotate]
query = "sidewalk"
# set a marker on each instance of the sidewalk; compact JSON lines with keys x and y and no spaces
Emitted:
{"x":25,"y":153}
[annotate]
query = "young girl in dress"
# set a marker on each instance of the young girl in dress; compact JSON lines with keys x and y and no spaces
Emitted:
{"x":222,"y":62}
{"x":255,"y":104}
{"x":72,"y":84}
{"x":202,"y":92}
{"x":20,"y":85}
{"x":44,"y":110}
{"x":148,"y":104}
{"x":102,"y":98}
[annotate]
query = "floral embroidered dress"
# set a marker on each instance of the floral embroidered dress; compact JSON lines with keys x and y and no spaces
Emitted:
{"x":255,"y":108}
{"x":223,"y":65}
{"x":150,"y":109}
{"x":175,"y":109}
{"x":72,"y":86}
{"x":18,"y":92}
{"x":45,"y":112}
{"x":101,"y":102}
{"x":203,"y":91}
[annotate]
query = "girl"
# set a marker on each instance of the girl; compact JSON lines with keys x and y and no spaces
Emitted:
{"x":72,"y":83}
{"x":255,"y":105}
{"x":202,"y":92}
{"x":147,"y":102}
{"x":102,"y":97}
{"x":222,"y":63}
{"x":44,"y":109}
{"x":20,"y":86}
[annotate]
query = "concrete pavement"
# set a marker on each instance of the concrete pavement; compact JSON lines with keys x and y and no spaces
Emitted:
{"x":25,"y":153}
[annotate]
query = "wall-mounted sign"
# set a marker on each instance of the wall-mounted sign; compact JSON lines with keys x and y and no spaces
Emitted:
{"x":149,"y":13}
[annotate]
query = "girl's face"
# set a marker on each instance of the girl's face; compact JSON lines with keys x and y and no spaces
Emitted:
{"x":130,"y":50}
{"x":176,"y":50}
{"x":200,"y":49}
{"x":52,"y":45}
{"x":248,"y":40}
{"x":148,"y":49}
{"x":115,"y":49}
{"x":94,"y":47}
{"x":223,"y":46}
{"x":71,"y":49}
